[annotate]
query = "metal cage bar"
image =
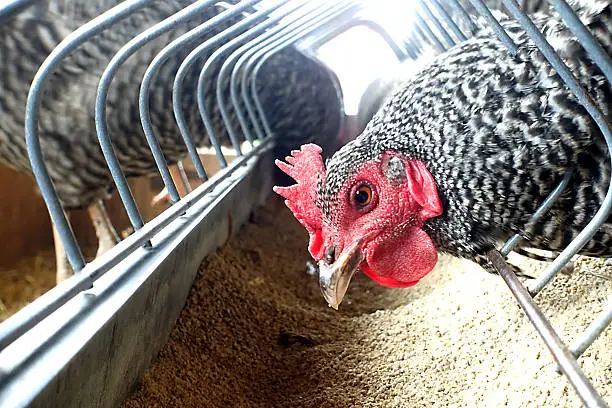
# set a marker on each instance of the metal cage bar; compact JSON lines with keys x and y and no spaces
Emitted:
{"x":231,"y":62}
{"x":278,"y":45}
{"x":465,"y":16}
{"x":449,"y":20}
{"x":449,"y":40}
{"x":251,"y":41}
{"x":71,"y":42}
{"x":260,"y":50}
{"x":422,"y":25}
{"x":248,"y":35}
{"x":151,"y":72}
{"x":349,"y":8}
{"x":503,"y":36}
{"x":258,"y":43}
{"x":100,"y":112}
{"x":196,"y":53}
{"x":564,"y":357}
{"x":245,"y":58}
{"x":11,"y":7}
{"x":605,"y":64}
{"x":396,"y":45}
{"x":34,"y":313}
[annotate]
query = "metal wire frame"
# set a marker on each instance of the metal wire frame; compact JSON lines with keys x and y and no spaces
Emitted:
{"x":447,"y":38}
{"x":45,"y":184}
{"x":156,"y":65}
{"x":198,"y":51}
{"x":410,"y":49}
{"x":295,"y":37}
{"x":100,"y":109}
{"x":565,"y":358}
{"x":11,"y":7}
{"x":231,"y":61}
{"x":256,"y":53}
{"x":35,"y":312}
{"x":284,"y":44}
{"x":449,"y":20}
{"x":422,"y":26}
{"x":248,"y":35}
{"x":254,"y":61}
{"x":395,"y":44}
{"x":248,"y":50}
{"x":177,"y":90}
{"x":464,"y":15}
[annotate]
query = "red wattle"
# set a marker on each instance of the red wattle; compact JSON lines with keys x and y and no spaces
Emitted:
{"x":383,"y":280}
{"x":400,"y":259}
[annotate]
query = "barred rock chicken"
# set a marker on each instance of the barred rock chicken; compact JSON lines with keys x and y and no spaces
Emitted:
{"x":457,"y":161}
{"x":299,"y":95}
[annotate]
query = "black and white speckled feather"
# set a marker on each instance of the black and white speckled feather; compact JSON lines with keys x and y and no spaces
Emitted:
{"x":498,"y":133}
{"x":299,"y":95}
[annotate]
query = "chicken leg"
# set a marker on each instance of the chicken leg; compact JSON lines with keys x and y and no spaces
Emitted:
{"x":106,"y":233}
{"x":62,"y":266}
{"x":184,"y":187}
{"x":107,"y":238}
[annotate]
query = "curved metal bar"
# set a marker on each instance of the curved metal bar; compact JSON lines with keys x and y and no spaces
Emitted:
{"x":449,"y":20}
{"x":422,"y":24}
{"x":100,"y":110}
{"x":585,"y":38}
{"x":224,"y":71}
{"x":265,"y":48}
{"x":567,"y":362}
{"x":542,"y":209}
{"x":409,"y":47}
{"x":233,"y":43}
{"x":449,"y":40}
{"x":421,"y":33}
{"x":11,"y":7}
{"x":72,"y":41}
{"x":150,"y":73}
{"x":415,"y":42}
{"x":353,"y":22}
{"x":312,"y":26}
{"x":198,"y":51}
{"x":503,"y":36}
{"x":465,"y":15}
{"x":34,"y":313}
{"x":593,"y":331}
{"x":585,"y":100}
{"x":265,"y":39}
{"x":604,"y":62}
{"x":177,"y":87}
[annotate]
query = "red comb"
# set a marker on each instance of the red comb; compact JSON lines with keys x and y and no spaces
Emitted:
{"x":305,"y":166}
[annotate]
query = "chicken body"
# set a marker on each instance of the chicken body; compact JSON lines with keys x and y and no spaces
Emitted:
{"x":461,"y":156}
{"x":299,"y":95}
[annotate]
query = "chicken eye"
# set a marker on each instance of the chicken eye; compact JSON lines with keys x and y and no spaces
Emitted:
{"x":363,"y":196}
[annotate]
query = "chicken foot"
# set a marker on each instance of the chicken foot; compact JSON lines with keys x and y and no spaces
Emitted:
{"x":107,"y":238}
{"x":106,"y":233}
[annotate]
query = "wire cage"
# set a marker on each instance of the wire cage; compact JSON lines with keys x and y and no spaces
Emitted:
{"x":81,"y":317}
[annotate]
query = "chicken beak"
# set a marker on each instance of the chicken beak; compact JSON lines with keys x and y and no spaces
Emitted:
{"x":334,"y":279}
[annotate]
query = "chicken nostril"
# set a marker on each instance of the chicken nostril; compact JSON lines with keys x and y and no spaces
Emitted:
{"x":330,"y":254}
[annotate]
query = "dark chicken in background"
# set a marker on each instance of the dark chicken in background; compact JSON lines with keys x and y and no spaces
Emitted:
{"x":300,"y":96}
{"x":459,"y":158}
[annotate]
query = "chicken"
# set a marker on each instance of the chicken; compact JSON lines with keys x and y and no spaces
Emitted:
{"x":298,"y":94}
{"x":457,"y":161}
